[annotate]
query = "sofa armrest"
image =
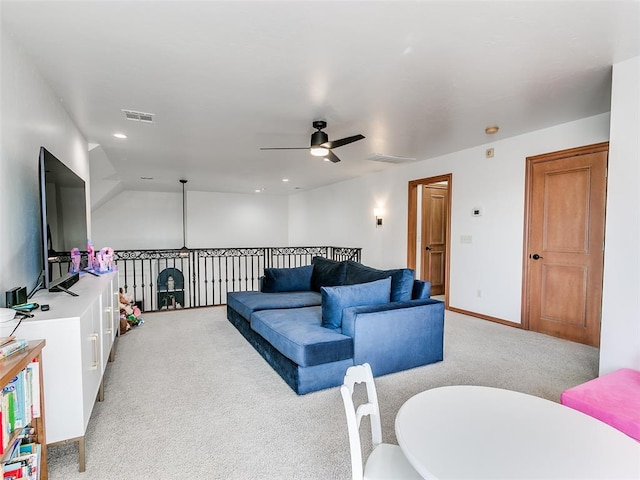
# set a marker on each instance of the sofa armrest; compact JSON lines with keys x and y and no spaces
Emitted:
{"x":396,"y":336}
{"x":350,"y":315}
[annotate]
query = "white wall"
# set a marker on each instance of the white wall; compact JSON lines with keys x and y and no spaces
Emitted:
{"x":236,"y":220}
{"x":139,"y":220}
{"x":151,"y":220}
{"x":342,"y":214}
{"x":620,"y":336}
{"x":31,"y":116}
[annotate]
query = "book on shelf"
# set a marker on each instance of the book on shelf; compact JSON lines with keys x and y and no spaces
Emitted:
{"x":12,"y":347}
{"x":34,"y":388}
{"x":13,"y":445}
{"x":8,"y":416}
{"x":16,"y":384}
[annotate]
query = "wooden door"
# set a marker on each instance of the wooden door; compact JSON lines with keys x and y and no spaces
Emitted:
{"x":566,"y":194}
{"x":434,"y":239}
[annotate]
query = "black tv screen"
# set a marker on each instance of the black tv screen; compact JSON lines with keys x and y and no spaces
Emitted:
{"x":64,"y":215}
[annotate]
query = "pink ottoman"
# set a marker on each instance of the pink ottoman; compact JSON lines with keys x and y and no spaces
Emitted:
{"x":613,"y":398}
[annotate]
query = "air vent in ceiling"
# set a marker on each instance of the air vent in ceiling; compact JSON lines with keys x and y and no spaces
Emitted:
{"x":381,"y":157}
{"x":138,"y":116}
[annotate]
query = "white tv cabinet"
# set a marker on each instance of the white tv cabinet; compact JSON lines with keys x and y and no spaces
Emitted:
{"x":80,"y":333}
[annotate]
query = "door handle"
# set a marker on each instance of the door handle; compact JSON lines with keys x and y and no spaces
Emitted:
{"x":427,"y":247}
{"x":535,"y":256}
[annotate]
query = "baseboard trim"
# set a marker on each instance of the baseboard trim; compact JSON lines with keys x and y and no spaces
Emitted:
{"x":486,"y":317}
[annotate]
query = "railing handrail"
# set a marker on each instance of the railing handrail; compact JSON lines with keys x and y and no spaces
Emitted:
{"x":177,"y":250}
{"x":208,"y":274}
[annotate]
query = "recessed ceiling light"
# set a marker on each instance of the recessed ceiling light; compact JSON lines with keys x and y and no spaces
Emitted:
{"x":285,"y":179}
{"x":119,"y":135}
{"x":146,"y":178}
{"x":491,"y":130}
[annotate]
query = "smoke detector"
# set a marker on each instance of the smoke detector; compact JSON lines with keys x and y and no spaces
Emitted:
{"x":138,"y":116}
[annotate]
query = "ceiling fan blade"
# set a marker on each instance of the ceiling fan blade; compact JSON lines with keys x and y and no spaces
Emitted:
{"x":342,"y":141}
{"x":284,"y":148}
{"x":332,"y":157}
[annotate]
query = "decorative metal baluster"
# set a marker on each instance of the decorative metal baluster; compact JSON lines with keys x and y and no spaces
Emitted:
{"x":246,"y":279}
{"x":232,"y":269}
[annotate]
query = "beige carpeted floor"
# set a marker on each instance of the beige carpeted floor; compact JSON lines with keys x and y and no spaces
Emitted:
{"x":188,"y":398}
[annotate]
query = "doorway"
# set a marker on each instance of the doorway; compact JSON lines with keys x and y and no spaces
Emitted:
{"x":429,"y":231}
{"x":564,"y":243}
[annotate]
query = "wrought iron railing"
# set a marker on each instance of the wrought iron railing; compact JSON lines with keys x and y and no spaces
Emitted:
{"x":167,"y":279}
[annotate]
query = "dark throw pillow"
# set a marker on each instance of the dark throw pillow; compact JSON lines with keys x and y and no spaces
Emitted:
{"x":327,"y":273}
{"x":401,"y":279}
{"x":297,"y":279}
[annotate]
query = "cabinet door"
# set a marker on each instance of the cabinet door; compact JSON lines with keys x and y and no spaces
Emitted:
{"x":106,"y":324}
{"x":91,"y":357}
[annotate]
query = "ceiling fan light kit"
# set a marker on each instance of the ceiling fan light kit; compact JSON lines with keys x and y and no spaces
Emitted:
{"x":319,"y":151}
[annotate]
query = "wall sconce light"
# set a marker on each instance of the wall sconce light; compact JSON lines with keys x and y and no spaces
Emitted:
{"x":378,"y":214}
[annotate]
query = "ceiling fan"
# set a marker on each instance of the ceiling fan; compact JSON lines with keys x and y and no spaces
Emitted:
{"x":320,"y":144}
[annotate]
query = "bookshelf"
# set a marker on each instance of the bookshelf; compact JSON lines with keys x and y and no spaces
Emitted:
{"x":10,"y":367}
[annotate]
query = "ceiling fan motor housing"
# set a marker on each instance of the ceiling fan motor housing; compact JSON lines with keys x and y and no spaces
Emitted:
{"x":318,"y":138}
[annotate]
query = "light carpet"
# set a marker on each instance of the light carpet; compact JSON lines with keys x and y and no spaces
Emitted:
{"x":188,"y":398}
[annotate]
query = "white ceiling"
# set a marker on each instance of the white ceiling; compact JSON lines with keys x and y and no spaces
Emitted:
{"x":418,"y":79}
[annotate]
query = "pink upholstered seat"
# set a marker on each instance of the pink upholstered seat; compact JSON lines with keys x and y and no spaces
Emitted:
{"x":613,"y":398}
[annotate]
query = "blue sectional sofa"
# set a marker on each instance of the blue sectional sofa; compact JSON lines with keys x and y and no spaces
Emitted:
{"x":311,"y":323}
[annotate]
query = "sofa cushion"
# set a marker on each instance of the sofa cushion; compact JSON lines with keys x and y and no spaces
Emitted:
{"x":297,"y":334}
{"x":297,"y":279}
{"x":327,"y":273}
{"x":245,"y":303}
{"x":335,"y":299}
{"x":401,"y":279}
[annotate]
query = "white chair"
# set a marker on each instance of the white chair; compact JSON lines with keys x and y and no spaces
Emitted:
{"x":386,"y":461}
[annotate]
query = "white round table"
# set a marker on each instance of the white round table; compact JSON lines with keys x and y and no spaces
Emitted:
{"x":471,"y":432}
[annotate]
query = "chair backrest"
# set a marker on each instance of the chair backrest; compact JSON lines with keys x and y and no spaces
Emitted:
{"x":359,"y":374}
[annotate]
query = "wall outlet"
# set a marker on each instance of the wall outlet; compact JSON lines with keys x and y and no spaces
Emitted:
{"x":489,"y":153}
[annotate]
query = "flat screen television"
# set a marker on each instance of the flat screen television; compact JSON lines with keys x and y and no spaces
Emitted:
{"x":64,"y":216}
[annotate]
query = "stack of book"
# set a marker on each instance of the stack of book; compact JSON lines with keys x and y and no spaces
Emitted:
{"x":22,"y":458}
{"x":19,"y":405}
{"x":9,"y":345}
